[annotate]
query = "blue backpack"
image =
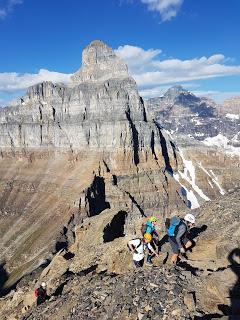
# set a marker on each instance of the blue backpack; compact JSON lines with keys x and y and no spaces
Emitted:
{"x":172,"y":225}
{"x":147,"y":228}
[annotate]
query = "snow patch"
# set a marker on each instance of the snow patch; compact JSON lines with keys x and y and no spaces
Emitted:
{"x":236,"y":137}
{"x":218,"y":141}
{"x":190,"y":195}
{"x":189,"y":175}
{"x":209,"y":182}
{"x":213,"y":178}
{"x":197,"y":122}
{"x":222,"y":143}
{"x":232,"y":116}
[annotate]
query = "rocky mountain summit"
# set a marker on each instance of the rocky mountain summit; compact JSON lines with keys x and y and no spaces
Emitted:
{"x":207,"y":135}
{"x":230,"y":106}
{"x":74,"y":151}
{"x":81,"y":167}
{"x":99,"y":63}
{"x":183,"y":113}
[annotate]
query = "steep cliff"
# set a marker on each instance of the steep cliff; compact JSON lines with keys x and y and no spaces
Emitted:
{"x":207,"y":134}
{"x":70,"y":152}
{"x":81,"y":166}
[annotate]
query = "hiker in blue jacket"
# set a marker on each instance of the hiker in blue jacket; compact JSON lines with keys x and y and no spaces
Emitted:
{"x":149,"y":227}
{"x":178,"y":237}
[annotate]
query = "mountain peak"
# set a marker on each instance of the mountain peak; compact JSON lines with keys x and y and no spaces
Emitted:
{"x":99,"y":63}
{"x":176,"y":90}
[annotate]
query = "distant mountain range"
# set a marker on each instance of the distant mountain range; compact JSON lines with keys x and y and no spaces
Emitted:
{"x":183,"y":113}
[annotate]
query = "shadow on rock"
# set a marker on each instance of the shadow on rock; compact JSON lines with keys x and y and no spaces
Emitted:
{"x":233,"y":311}
{"x":196,"y":231}
{"x":234,"y":293}
{"x":3,"y":278}
{"x":209,"y":317}
{"x":187,"y":267}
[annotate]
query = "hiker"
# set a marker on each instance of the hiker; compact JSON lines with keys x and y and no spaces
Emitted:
{"x":138,"y":247}
{"x":41,"y":293}
{"x":177,"y":231}
{"x":149,"y":227}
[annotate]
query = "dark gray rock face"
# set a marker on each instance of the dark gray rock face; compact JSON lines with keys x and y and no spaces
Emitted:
{"x":144,"y":294}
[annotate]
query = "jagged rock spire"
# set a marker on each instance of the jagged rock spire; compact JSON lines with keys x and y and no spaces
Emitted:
{"x":99,"y":63}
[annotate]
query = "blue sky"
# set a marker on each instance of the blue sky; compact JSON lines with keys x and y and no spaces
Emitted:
{"x":165,"y":42}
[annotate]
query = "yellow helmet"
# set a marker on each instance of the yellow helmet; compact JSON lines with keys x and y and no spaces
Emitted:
{"x":148,"y":237}
{"x":153,"y":219}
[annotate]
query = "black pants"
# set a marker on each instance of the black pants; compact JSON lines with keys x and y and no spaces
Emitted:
{"x":174,"y":244}
{"x":40,"y":300}
{"x":138,"y":264}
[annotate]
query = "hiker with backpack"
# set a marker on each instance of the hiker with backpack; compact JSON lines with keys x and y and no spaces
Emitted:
{"x":177,"y":231}
{"x":41,"y":293}
{"x":138,"y":247}
{"x":149,"y":227}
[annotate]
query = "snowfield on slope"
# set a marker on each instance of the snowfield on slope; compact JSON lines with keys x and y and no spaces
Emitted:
{"x":222,"y":142}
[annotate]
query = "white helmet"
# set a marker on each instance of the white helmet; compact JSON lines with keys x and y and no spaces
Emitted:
{"x":43,"y":284}
{"x":189,"y":217}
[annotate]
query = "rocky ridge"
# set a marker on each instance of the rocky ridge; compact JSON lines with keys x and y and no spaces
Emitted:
{"x":193,"y":290}
{"x":84,"y":162}
{"x":78,"y":151}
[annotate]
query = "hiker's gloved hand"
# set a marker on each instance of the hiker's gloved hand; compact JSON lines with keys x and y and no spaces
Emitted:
{"x":182,"y":250}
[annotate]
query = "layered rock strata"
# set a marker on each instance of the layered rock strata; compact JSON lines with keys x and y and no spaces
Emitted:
{"x":207,"y":134}
{"x":68,"y":152}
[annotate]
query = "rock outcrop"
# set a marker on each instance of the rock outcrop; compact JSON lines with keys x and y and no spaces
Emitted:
{"x":81,"y":167}
{"x":205,"y":286}
{"x":206,"y":133}
{"x":183,"y":113}
{"x":99,"y":63}
{"x":71,"y":152}
{"x":230,"y":107}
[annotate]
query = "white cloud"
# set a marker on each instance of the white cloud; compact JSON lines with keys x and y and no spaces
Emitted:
{"x":3,"y":13}
{"x":167,"y":9}
{"x":151,"y":72}
{"x":9,"y":6}
{"x":12,"y":81}
{"x":157,"y":91}
{"x":218,"y":96}
{"x":137,"y":58}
